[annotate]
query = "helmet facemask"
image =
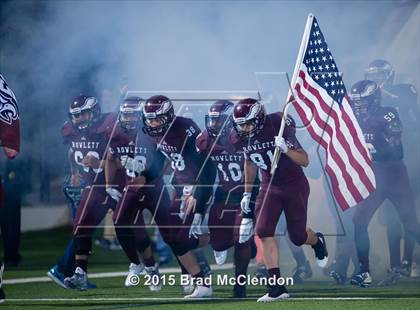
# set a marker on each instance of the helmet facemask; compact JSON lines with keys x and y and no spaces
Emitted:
{"x":129,"y":120}
{"x":377,"y":75}
{"x":219,"y":124}
{"x":82,"y":119}
{"x":164,"y":121}
{"x":252,"y":126}
{"x":130,"y":114}
{"x":360,"y":106}
{"x":83,"y":114}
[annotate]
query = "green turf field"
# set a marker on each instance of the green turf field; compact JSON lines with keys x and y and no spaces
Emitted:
{"x":40,"y":250}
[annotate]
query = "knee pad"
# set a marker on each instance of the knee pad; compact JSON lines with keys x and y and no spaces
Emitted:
{"x":298,"y":239}
{"x":180,"y":249}
{"x":83,"y":245}
{"x":143,"y":244}
{"x":262,"y":232}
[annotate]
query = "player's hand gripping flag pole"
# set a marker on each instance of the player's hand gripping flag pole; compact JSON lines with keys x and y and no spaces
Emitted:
{"x":9,"y":120}
{"x":319,"y":96}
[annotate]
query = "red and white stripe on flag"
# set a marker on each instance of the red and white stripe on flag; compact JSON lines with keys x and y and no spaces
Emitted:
{"x":322,"y":103}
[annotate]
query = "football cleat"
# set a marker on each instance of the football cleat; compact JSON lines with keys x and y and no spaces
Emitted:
{"x":321,"y":253}
{"x":339,"y":278}
{"x":275,"y":293}
{"x":301,"y":272}
{"x":201,"y":292}
{"x":154,"y":274}
{"x":134,"y":271}
{"x":239,"y":291}
{"x":115,"y":245}
{"x":392,"y":277}
{"x":362,"y":279}
{"x":57,"y":276}
{"x":220,"y":257}
{"x":405,"y":268}
{"x":78,"y":280}
{"x":189,"y":288}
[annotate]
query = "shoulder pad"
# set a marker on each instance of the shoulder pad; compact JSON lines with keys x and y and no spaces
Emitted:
{"x":107,"y":123}
{"x":68,"y":130}
{"x":277,"y":118}
{"x":189,"y":127}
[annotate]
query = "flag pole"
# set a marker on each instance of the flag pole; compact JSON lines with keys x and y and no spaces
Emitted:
{"x":299,"y":59}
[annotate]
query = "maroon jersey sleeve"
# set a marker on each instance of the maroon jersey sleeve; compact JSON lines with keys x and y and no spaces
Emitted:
{"x":107,"y":126}
{"x":67,"y":132}
{"x":202,"y":142}
{"x":118,"y":138}
{"x":289,"y":134}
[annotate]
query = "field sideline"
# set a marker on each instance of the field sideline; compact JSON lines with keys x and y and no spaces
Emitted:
{"x":40,"y":250}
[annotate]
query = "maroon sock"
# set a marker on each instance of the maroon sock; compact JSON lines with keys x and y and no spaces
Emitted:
{"x":149,"y":262}
{"x":242,"y":257}
{"x":82,"y":263}
{"x":183,"y":269}
{"x":274,"y":273}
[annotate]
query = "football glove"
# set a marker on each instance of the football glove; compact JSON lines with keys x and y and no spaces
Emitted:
{"x":281,"y":144}
{"x":245,"y":230}
{"x":114,"y":193}
{"x":195,"y":229}
{"x":246,"y":199}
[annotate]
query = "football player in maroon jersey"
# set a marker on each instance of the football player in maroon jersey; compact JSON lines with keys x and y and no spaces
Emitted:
{"x":227,"y":225}
{"x":193,"y":180}
{"x":87,"y":133}
{"x":128,"y":160}
{"x":382,"y":129}
{"x":287,"y":190}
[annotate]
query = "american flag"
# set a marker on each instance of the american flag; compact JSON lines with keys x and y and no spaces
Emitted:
{"x":321,"y":101}
{"x":9,"y":120}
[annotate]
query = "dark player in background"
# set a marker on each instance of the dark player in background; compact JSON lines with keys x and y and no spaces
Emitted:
{"x":402,"y":97}
{"x":382,"y":129}
{"x":227,"y":226}
{"x":175,"y":137}
{"x":133,"y":159}
{"x":87,"y":134}
{"x":287,"y":190}
{"x":10,"y":143}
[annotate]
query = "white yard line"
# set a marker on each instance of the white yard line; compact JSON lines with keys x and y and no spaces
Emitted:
{"x":183,"y":299}
{"x":107,"y":274}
